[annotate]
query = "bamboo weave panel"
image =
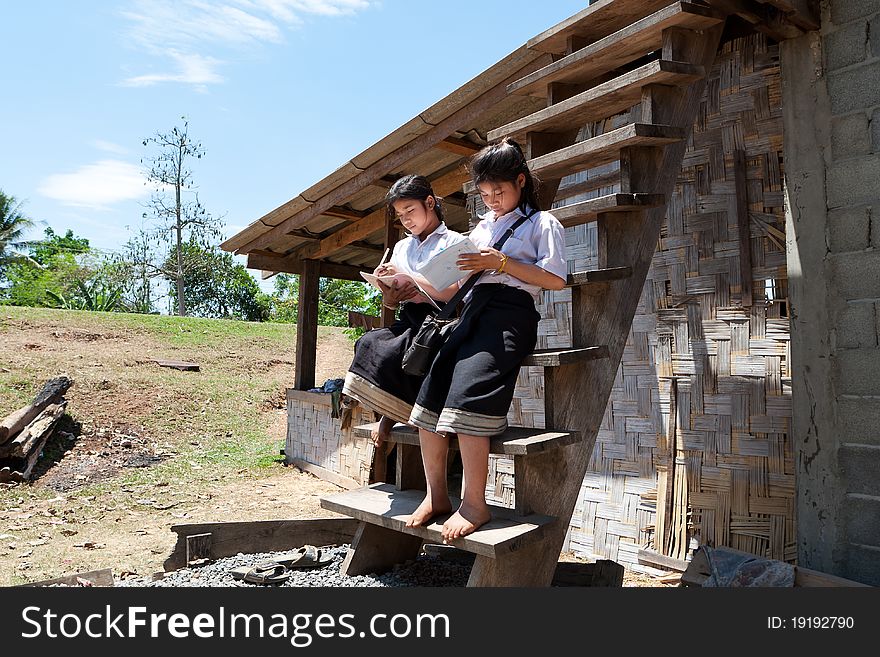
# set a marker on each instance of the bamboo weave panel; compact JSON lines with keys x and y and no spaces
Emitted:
{"x":316,"y":437}
{"x":694,"y":446}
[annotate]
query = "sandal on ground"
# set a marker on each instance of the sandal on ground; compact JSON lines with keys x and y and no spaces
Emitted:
{"x":308,"y":556}
{"x":263,"y":573}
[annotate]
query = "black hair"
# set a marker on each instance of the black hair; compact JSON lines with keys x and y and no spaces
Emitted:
{"x":412,"y":187}
{"x":503,"y":162}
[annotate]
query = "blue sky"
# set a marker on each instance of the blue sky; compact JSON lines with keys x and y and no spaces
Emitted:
{"x":279,"y":92}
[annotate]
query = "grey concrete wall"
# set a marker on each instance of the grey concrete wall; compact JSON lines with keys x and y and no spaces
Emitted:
{"x":831,"y":101}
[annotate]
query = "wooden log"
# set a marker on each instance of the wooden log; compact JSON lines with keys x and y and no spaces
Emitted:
{"x":51,"y":392}
{"x":40,"y":428}
{"x":230,"y":538}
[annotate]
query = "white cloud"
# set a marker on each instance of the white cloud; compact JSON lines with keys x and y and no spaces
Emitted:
{"x":184,"y":28}
{"x":109,"y":147}
{"x":190,"y":69}
{"x":97,"y":185}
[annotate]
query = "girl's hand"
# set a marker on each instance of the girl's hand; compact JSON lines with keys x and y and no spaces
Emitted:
{"x":385,"y":270}
{"x":487,"y":258}
{"x":393,"y":294}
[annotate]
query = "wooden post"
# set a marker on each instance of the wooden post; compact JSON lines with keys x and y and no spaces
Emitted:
{"x":307,"y":327}
{"x":392,"y":235}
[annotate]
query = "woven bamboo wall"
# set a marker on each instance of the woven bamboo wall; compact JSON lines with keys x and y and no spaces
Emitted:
{"x":694,"y":446}
{"x":316,"y":437}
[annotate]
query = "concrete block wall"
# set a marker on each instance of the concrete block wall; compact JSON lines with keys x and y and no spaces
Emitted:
{"x":831,"y":96}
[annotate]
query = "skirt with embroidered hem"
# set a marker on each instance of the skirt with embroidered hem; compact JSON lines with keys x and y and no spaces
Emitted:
{"x":471,"y":383}
{"x":375,"y":377}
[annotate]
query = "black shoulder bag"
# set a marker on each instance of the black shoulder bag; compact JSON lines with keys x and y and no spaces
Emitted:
{"x":436,"y":329}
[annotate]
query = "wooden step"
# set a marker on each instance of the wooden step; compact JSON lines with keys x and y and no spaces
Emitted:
{"x":625,"y":45}
{"x":601,"y":18}
{"x":608,"y":98}
{"x":603,"y":149}
{"x":383,"y":505}
{"x":586,"y":211}
{"x":598,"y":276}
{"x":557,"y":357}
{"x":515,"y":441}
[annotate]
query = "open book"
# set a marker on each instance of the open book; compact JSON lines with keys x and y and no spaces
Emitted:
{"x":441,"y":270}
{"x":400,"y":278}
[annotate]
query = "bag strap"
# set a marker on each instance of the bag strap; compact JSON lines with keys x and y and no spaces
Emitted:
{"x":452,"y":304}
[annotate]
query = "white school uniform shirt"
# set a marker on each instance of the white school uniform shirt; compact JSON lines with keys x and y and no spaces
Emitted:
{"x":539,"y":241}
{"x":411,"y":252}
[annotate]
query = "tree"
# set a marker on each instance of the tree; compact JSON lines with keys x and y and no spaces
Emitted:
{"x":53,"y":266}
{"x":13,"y":226}
{"x":180,"y":221}
{"x":335,"y":299}
{"x":217,"y":286}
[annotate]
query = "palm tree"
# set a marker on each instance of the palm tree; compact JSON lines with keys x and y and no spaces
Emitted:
{"x":13,"y":225}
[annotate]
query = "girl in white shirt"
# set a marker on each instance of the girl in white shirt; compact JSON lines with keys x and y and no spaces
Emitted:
{"x":470,"y":386}
{"x":375,"y":377}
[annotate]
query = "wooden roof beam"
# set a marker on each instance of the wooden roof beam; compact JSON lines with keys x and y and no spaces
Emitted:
{"x":458,"y":146}
{"x":375,"y":221}
{"x":458,"y":120}
{"x":292,"y":265}
{"x":763,"y":18}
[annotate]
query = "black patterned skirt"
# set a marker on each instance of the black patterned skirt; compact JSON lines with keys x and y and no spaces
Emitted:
{"x":470,"y":385}
{"x":375,"y":377}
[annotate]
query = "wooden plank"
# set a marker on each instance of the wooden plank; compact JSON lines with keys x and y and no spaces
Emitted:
{"x":615,"y":50}
{"x":325,"y":474}
{"x":515,"y":440}
{"x":181,"y":365}
{"x":803,"y":13}
{"x":376,"y":549}
{"x":653,"y":558}
{"x":762,"y":17}
{"x":558,"y":357}
{"x":601,"y":101}
{"x":291,"y":265}
{"x":604,"y":148}
{"x":458,"y":146}
{"x":743,"y":227}
{"x":383,"y":505}
{"x":317,"y":398}
{"x":409,"y":471}
{"x":460,"y":119}
{"x":198,"y":549}
{"x":230,"y":538}
{"x":51,"y":392}
{"x":307,"y":327}
{"x":102,"y":577}
{"x":586,"y":211}
{"x":601,"y":18}
{"x":602,"y":573}
{"x":598,"y":276}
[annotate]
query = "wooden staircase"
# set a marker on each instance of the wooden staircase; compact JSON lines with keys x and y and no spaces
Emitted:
{"x":611,"y":56}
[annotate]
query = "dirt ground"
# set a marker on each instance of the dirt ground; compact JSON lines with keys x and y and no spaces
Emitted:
{"x":121,"y":470}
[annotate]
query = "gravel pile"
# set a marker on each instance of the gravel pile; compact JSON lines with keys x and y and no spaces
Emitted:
{"x":427,"y":570}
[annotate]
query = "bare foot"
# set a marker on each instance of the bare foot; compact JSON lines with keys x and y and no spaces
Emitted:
{"x":427,"y":510}
{"x":465,"y":521}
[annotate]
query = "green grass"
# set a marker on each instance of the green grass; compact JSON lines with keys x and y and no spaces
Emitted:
{"x":245,"y":367}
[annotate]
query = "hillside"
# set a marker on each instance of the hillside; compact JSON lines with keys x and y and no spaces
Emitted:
{"x":144,"y":447}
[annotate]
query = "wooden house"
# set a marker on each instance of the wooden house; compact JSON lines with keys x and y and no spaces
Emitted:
{"x":711,"y":374}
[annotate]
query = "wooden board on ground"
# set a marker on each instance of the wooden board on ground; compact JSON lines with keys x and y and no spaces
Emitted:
{"x":181,"y":365}
{"x":91,"y":578}
{"x":230,"y":538}
{"x":383,"y":505}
